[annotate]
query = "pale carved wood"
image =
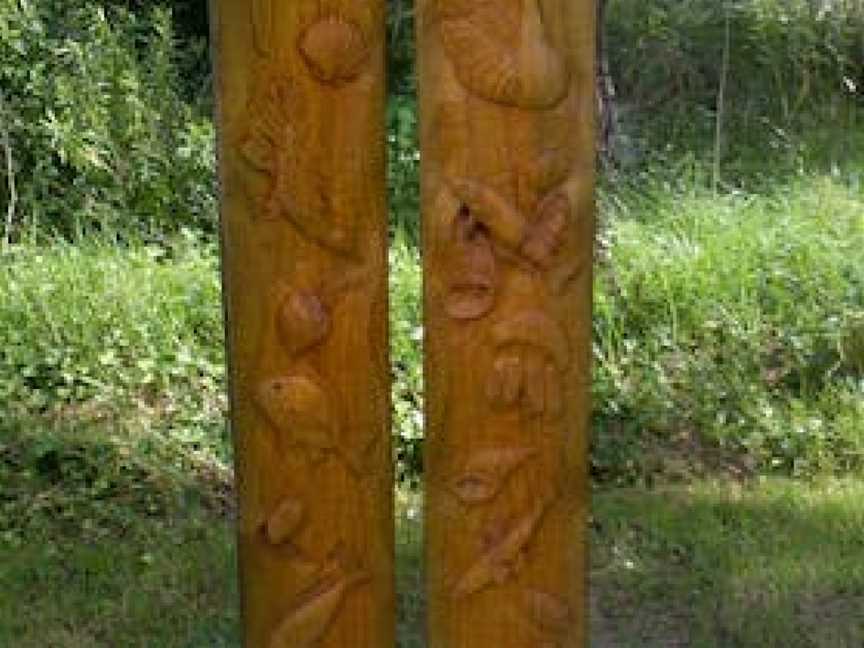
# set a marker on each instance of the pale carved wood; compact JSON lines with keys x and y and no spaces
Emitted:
{"x":507,"y":107}
{"x":300,"y":86}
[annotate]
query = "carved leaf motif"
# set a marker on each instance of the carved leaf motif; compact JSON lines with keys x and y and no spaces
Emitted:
{"x":308,"y":624}
{"x":334,"y":49}
{"x":533,"y":76}
{"x":303,"y":322}
{"x":486,"y":473}
{"x":299,"y":409}
{"x":284,"y":521}
{"x":502,"y":559}
{"x":546,"y":233}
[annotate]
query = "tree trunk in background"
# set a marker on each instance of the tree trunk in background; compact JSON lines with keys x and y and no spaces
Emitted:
{"x":607,"y":108}
{"x":300,"y":89}
{"x":508,"y":140}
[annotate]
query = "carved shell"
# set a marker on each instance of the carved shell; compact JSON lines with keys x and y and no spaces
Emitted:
{"x":486,"y":473}
{"x":300,"y":410}
{"x":534,"y":75}
{"x":284,"y":522}
{"x":303,"y":322}
{"x":334,"y":49}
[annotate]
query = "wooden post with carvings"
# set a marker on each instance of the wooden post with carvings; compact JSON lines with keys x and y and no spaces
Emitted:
{"x":300,"y":86}
{"x":507,"y":113}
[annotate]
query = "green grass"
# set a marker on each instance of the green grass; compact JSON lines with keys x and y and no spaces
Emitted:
{"x":732,"y":325}
{"x":766,"y":563}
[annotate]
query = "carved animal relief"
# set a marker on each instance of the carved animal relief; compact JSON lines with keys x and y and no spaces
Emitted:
{"x":302,"y":164}
{"x":506,"y":97}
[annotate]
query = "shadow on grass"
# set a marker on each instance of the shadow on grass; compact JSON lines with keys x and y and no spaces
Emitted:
{"x":772,"y":564}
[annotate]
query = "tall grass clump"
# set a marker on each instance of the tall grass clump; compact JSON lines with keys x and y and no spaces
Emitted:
{"x":92,"y":328}
{"x":733,"y":323}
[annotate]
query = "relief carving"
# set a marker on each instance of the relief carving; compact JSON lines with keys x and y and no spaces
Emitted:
{"x":478,"y":36}
{"x":334,"y":50}
{"x":307,"y":625}
{"x":302,"y":159}
{"x":485,"y":473}
{"x":506,"y":104}
{"x":504,"y":554}
{"x":550,"y":614}
{"x":303,"y":321}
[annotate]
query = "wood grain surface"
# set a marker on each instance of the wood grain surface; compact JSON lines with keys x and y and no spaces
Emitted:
{"x":300,"y":87}
{"x":507,"y":114}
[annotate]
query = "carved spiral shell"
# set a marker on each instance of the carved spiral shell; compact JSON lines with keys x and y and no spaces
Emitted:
{"x":334,"y":49}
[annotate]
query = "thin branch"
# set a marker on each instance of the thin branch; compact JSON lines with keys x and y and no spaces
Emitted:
{"x":6,"y":141}
{"x":721,"y":98}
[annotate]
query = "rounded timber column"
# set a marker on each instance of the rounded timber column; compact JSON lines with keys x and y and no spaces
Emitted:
{"x":507,"y":112}
{"x":300,"y":88}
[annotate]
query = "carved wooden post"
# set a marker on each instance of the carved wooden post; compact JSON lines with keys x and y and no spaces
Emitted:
{"x":507,"y":103}
{"x":301,"y":106}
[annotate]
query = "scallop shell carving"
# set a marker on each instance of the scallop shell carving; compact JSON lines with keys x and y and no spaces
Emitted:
{"x":334,"y":49}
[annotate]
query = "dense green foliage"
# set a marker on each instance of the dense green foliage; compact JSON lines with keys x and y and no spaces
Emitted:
{"x":728,"y":327}
{"x":725,"y":322}
{"x":110,"y":131}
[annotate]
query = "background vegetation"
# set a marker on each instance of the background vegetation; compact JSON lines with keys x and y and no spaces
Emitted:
{"x":729,"y":325}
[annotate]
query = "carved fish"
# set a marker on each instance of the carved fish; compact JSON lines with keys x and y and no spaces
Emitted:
{"x":303,"y":322}
{"x":486,"y":473}
{"x":334,"y":49}
{"x":308,"y":624}
{"x":501,"y":560}
{"x":300,"y":410}
{"x":284,"y":521}
{"x":533,"y":76}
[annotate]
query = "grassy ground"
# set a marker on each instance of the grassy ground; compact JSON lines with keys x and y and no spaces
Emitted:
{"x":771,"y":562}
{"x":728,"y":449}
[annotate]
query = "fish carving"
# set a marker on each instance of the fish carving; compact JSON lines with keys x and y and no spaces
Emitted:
{"x":501,"y":560}
{"x":485,"y":474}
{"x":503,"y":56}
{"x":292,"y":178}
{"x":300,"y":411}
{"x":307,"y":625}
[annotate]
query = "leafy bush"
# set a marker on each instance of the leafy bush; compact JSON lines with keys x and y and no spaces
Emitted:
{"x":106,"y":139}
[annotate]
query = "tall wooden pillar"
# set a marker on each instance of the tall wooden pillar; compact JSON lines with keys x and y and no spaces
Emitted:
{"x":507,"y":108}
{"x":300,"y":87}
